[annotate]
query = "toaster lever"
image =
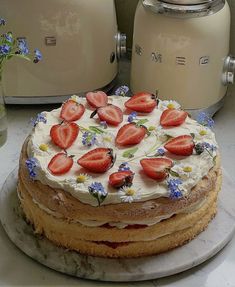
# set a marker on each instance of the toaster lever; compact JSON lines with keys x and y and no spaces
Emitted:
{"x":229,"y":70}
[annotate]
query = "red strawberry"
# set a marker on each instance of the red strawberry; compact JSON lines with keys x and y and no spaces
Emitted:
{"x":60,"y":164}
{"x":142,"y":102}
{"x":64,"y":135}
{"x":97,"y":99}
{"x":130,"y":134}
{"x":173,"y":118}
{"x":182,"y":145}
{"x":121,"y":178}
{"x":97,"y":160}
{"x":111,"y":114}
{"x":71,"y":111}
{"x":156,"y":168}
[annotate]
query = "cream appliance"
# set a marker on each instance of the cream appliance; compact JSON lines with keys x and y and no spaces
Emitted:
{"x":181,"y":49}
{"x":79,"y":42}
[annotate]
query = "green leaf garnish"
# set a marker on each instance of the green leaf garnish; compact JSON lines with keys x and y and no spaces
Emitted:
{"x":173,"y":173}
{"x":192,"y":135}
{"x":96,"y":130}
{"x":141,"y":122}
{"x":130,"y":152}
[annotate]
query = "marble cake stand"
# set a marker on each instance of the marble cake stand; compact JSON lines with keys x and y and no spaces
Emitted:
{"x":206,"y":245}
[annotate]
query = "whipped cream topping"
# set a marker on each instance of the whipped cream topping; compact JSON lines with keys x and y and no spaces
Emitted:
{"x":147,"y":188}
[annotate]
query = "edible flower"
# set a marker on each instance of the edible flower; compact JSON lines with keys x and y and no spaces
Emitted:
{"x":124,"y":167}
{"x":32,"y":165}
{"x":122,"y":91}
{"x":43,"y":147}
{"x":104,"y":124}
{"x":185,"y":170}
{"x":164,"y":105}
{"x":39,"y":118}
{"x":129,"y":193}
{"x":37,"y":56}
{"x":88,"y":139}
{"x":76,"y":99}
{"x":132,"y":117}
{"x":173,"y":186}
{"x":2,"y":22}
{"x":97,"y":190}
{"x":160,"y":152}
{"x":105,"y":140}
{"x":205,"y":120}
{"x":82,"y":178}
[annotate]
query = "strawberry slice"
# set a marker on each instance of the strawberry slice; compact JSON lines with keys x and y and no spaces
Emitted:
{"x":173,"y":118}
{"x":111,"y":114}
{"x":182,"y":145}
{"x":60,"y":164}
{"x":142,"y":102}
{"x":64,"y":134}
{"x":97,"y":160}
{"x":130,"y":134}
{"x":156,"y":168}
{"x":71,"y":111}
{"x":97,"y":99}
{"x":121,"y":178}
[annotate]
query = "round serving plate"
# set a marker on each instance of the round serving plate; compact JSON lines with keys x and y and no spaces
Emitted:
{"x":203,"y":247}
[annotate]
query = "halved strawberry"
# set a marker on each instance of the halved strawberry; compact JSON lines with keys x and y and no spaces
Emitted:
{"x":121,"y":178}
{"x":142,"y":102}
{"x":156,"y":168}
{"x":64,"y":134}
{"x":97,"y":160}
{"x":130,"y":134}
{"x":111,"y":114}
{"x":60,"y":164}
{"x":181,"y":145}
{"x":71,"y":111}
{"x":97,"y":99}
{"x":173,"y":118}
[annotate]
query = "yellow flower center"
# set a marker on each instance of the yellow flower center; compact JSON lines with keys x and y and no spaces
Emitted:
{"x":43,"y":147}
{"x":203,"y":132}
{"x":130,"y":192}
{"x":151,"y":128}
{"x":187,"y":169}
{"x":107,"y":139}
{"x":81,"y":178}
{"x":171,"y":106}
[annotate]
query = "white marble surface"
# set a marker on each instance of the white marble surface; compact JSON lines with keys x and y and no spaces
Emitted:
{"x":207,"y":244}
{"x":16,"y":269}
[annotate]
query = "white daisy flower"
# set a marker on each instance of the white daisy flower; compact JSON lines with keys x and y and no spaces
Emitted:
{"x":164,"y":105}
{"x":202,"y":132}
{"x":42,"y":149}
{"x":129,"y":193}
{"x":76,"y":99}
{"x":82,"y":180}
{"x":185,"y":170}
{"x":105,"y":140}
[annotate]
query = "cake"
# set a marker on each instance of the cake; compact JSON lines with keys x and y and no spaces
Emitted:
{"x":119,"y":177}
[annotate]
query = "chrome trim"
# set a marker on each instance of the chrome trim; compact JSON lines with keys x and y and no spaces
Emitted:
{"x":184,"y":11}
{"x":210,"y":110}
{"x":51,"y":99}
{"x":228,"y":70}
{"x":121,"y":45}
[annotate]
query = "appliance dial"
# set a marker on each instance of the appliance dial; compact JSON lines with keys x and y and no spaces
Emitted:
{"x":121,"y":45}
{"x":229,"y":70}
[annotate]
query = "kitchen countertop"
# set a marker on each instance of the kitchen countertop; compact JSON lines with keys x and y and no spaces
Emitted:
{"x":16,"y":269}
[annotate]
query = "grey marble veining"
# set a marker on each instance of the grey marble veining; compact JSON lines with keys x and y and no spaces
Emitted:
{"x":206,"y":245}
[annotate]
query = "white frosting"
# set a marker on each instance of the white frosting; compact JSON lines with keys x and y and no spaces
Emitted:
{"x":149,"y":188}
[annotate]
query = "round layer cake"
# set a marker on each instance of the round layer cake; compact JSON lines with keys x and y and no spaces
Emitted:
{"x":119,"y":177}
